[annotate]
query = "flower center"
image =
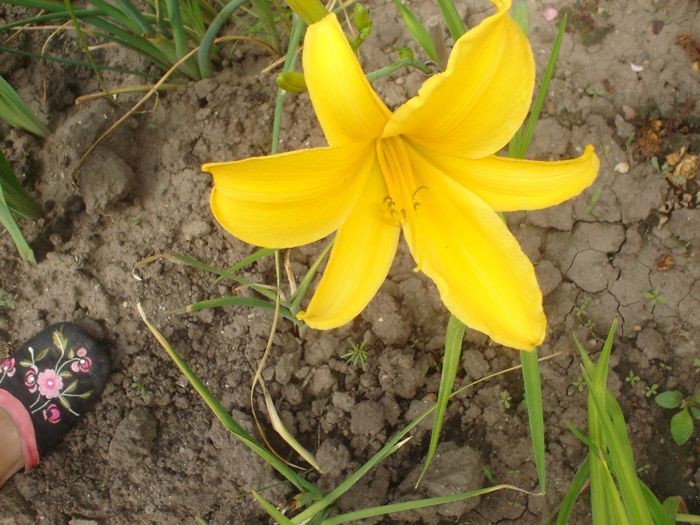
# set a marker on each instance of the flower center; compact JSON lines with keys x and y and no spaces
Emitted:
{"x":404,"y":192}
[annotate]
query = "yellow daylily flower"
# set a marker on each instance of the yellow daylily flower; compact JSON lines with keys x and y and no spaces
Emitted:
{"x":428,"y":169}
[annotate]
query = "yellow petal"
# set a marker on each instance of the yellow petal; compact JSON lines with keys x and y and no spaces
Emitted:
{"x":346,"y":105}
{"x":513,"y":184}
{"x":362,"y":254}
{"x":289,"y":199}
{"x":482,"y":275}
{"x":479,"y":102}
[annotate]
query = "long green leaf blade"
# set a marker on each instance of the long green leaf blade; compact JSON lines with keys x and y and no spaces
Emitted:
{"x":275,"y":514}
{"x":452,"y":19}
{"x":9,"y":222}
{"x":222,"y":414}
{"x":535,"y":412}
{"x":17,"y":113}
{"x":454,"y":334}
{"x":573,"y":492}
{"x":521,"y":142}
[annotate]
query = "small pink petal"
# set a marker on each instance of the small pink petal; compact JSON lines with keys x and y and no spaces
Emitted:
{"x":550,"y":14}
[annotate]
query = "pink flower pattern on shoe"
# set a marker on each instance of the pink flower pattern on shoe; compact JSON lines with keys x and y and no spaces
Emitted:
{"x":82,"y":362}
{"x":30,"y":378}
{"x":7,"y":367}
{"x":52,"y":413}
{"x":50,"y":383}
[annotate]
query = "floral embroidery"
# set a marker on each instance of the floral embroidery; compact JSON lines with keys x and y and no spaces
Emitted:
{"x":83,"y":362}
{"x":7,"y":368}
{"x":52,"y":414}
{"x":56,"y":382}
{"x":50,"y":384}
{"x":30,"y":377}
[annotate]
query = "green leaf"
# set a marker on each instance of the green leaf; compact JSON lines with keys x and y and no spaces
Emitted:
{"x":417,"y":30}
{"x":59,"y":340}
{"x":70,"y":387}
{"x":521,"y":142}
{"x":223,"y":415}
{"x":535,"y":412}
{"x":452,"y":18}
{"x":9,"y":223}
{"x":573,"y":492}
{"x":17,"y":113}
{"x":275,"y":514}
{"x":64,"y":402}
{"x":358,"y":515}
{"x":695,"y":412}
{"x":669,"y":399}
{"x":18,"y":200}
{"x":454,"y":335}
{"x":682,"y":427}
{"x":42,"y":354}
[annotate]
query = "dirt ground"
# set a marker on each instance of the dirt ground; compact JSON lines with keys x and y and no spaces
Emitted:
{"x":152,"y":453}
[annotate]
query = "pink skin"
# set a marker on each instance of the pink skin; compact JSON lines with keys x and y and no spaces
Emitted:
{"x":8,"y":367}
{"x":52,"y":414}
{"x":50,"y":384}
{"x":30,"y":378}
{"x":82,"y":363}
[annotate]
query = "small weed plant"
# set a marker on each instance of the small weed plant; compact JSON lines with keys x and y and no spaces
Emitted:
{"x":687,"y":409}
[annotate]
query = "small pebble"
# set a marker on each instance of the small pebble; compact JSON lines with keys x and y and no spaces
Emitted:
{"x":622,"y":167}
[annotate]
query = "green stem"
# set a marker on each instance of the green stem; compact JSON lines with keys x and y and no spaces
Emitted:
{"x":84,"y":44}
{"x":289,"y":63}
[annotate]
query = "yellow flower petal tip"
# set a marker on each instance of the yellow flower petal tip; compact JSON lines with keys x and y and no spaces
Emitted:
{"x":428,"y":169}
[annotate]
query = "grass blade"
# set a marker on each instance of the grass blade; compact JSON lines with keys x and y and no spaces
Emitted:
{"x":388,"y":449}
{"x":222,"y":414}
{"x":9,"y":222}
{"x":255,"y":256}
{"x":85,"y":46}
{"x":305,"y":283}
{"x":452,"y":19}
{"x":263,"y":12}
{"x":17,"y":113}
{"x":279,"y":427}
{"x":416,"y":504}
{"x":78,"y":63}
{"x":521,"y":142}
{"x":16,"y":198}
{"x":535,"y":413}
{"x":135,"y":15}
{"x":23,"y":200}
{"x":240,"y":301}
{"x":417,"y":30}
{"x":275,"y":514}
{"x":573,"y":492}
{"x":454,"y":334}
{"x":208,"y":39}
{"x":177,"y":28}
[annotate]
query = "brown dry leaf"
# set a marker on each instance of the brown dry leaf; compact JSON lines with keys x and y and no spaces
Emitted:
{"x":649,"y":141}
{"x":664,"y":263}
{"x":686,"y":168}
{"x":674,"y":158}
{"x":687,"y":42}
